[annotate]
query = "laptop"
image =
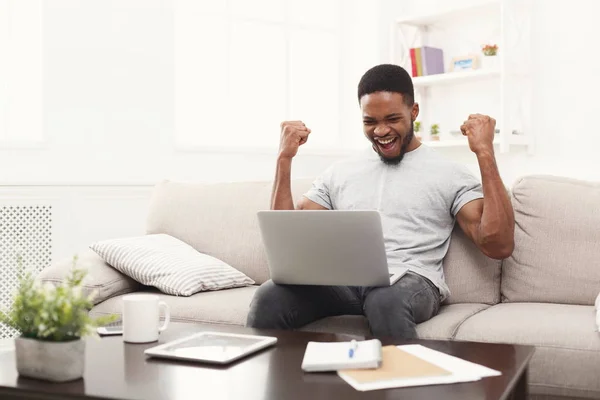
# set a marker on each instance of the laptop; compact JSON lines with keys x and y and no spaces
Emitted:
{"x":326,"y":247}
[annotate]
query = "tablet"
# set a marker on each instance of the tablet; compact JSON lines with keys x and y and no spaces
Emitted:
{"x":211,"y":347}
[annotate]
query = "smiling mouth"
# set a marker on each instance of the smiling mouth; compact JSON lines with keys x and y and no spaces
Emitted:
{"x":386,"y":143}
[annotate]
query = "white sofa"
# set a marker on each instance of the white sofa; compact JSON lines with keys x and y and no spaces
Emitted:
{"x":542,"y":295}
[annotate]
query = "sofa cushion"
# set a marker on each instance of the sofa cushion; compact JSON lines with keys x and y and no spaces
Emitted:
{"x":471,"y":276}
{"x":228,"y":306}
{"x":567,"y":353}
{"x":447,"y":322}
{"x":168,"y":264}
{"x":556,"y":242}
{"x":443,"y":326}
{"x":218,"y":219}
{"x":101,"y":278}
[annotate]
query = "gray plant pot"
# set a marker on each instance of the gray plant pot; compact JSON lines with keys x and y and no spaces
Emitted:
{"x":51,"y":361}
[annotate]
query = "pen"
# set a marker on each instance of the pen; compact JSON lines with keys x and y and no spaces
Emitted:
{"x":353,"y":347}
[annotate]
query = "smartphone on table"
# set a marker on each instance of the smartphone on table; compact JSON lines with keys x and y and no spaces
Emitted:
{"x":114,"y":328}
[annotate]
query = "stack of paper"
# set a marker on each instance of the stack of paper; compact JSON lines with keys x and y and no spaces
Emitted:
{"x":415,"y":365}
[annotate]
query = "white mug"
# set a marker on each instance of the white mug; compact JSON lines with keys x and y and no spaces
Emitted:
{"x":141,"y":318}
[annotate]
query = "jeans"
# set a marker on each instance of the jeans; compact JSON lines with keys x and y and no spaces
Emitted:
{"x":392,"y":311}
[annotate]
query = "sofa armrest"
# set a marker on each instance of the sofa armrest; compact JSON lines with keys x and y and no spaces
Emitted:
{"x":597,"y":307}
{"x":100,"y":277}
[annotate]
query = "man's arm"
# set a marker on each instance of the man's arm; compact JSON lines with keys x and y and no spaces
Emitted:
{"x":293,"y":135}
{"x":281,"y":198}
{"x":488,"y":222}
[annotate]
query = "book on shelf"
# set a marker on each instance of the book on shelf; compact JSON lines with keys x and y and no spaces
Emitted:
{"x":426,"y":60}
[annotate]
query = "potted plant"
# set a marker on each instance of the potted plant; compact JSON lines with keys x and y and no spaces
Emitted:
{"x":417,"y":129}
{"x":52,"y":321}
{"x":490,"y":56}
{"x":435,"y":132}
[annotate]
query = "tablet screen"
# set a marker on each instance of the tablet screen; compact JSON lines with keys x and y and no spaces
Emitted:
{"x":212,"y":346}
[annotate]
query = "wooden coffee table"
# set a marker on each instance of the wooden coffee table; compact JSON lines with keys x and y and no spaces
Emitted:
{"x":116,"y":370}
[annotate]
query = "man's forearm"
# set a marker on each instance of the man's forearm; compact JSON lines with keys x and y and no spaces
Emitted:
{"x":281,"y":197}
{"x":496,"y":230}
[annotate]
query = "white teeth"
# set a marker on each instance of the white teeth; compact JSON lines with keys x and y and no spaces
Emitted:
{"x":385,"y":141}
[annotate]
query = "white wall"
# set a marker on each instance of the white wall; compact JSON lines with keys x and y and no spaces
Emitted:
{"x":566,"y":85}
{"x":108,"y":124}
{"x":108,"y":78}
{"x":566,"y":80}
{"x":108,"y":112}
{"x":108,"y":99}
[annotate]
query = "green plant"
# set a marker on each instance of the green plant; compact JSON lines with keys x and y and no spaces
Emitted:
{"x":417,"y":126}
{"x":490,"y":49}
{"x":435,"y":129}
{"x":52,"y":313}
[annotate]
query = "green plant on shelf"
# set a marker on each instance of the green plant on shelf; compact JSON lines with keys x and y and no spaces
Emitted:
{"x":417,"y":126}
{"x":435,"y":130}
{"x":489,"y":49}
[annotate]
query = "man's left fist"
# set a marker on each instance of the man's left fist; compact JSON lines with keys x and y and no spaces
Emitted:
{"x":479,"y":129}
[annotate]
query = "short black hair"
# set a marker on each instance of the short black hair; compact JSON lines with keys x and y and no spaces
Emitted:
{"x":387,"y":78}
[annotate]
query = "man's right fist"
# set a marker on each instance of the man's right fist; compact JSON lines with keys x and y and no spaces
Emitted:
{"x":293,"y":135}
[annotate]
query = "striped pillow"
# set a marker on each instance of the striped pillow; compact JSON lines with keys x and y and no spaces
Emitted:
{"x":169,"y":264}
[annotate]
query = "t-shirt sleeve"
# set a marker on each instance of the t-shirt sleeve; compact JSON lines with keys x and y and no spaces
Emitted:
{"x":468,"y":188}
{"x":320,"y":191}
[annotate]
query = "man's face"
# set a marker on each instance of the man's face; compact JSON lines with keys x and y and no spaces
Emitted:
{"x":388,"y":124}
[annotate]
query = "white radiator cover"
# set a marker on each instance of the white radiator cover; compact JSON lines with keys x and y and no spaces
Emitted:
{"x":25,"y":232}
{"x":47,"y":223}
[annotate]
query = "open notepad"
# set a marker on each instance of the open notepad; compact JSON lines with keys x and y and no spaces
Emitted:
{"x":334,"y":356}
{"x":415,"y":365}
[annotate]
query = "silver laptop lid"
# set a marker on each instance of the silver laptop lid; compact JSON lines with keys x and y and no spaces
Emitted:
{"x":325,"y":247}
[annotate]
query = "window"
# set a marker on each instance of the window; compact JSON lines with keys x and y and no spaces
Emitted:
{"x":243,"y":67}
{"x":20,"y":73}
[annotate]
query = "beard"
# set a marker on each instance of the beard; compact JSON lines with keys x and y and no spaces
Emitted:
{"x":405,"y":143}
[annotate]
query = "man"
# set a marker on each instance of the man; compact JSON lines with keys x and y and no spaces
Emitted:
{"x":420,"y":196}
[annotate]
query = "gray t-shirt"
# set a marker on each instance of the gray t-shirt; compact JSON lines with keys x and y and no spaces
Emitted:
{"x":418,"y":200}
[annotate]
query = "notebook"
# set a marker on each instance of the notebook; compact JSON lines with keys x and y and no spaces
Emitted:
{"x":415,"y":365}
{"x":334,"y":356}
{"x":397,"y":364}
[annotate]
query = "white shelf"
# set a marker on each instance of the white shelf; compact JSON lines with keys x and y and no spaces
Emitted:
{"x":452,"y":14}
{"x":446,"y":143}
{"x":518,"y":140}
{"x":443,"y":26}
{"x":462,"y":142}
{"x":449,"y":78}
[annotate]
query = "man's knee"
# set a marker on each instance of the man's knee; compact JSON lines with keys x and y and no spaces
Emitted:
{"x":395,"y":310}
{"x":268,"y":307}
{"x":413,"y":293}
{"x":385,"y":301}
{"x":389,"y":314}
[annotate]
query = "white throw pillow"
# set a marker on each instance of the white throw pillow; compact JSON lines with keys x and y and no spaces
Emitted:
{"x":167,"y":263}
